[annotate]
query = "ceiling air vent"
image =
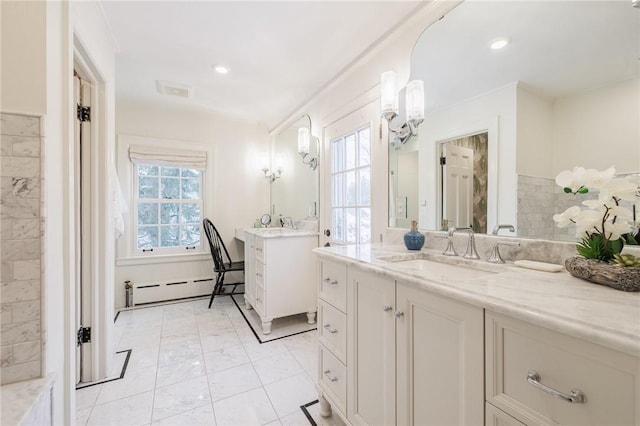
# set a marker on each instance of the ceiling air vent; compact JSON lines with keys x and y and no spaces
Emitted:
{"x":173,"y":89}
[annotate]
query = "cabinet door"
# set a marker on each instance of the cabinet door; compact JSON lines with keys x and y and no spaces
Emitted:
{"x":440,"y":360}
{"x":370,"y":349}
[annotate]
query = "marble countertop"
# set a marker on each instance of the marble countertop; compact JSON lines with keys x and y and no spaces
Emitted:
{"x":18,"y":399}
{"x":554,"y":300}
{"x":279,"y":232}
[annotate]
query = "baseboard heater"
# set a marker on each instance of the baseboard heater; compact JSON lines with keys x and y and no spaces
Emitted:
{"x":170,"y":290}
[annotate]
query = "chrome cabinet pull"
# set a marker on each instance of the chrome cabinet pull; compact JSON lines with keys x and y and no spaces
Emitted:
{"x":399,"y":314}
{"x":328,"y":328}
{"x":331,"y":377}
{"x":386,"y":308}
{"x":576,"y":396}
{"x":332,"y":282}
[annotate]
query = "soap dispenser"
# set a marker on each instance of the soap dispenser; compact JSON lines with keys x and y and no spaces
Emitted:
{"x":413,"y":239}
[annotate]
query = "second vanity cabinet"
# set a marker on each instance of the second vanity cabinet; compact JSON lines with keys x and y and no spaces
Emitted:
{"x":417,"y":357}
{"x":280,"y":275}
{"x":413,"y":357}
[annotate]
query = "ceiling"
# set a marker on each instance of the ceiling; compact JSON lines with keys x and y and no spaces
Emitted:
{"x":279,"y":54}
{"x":557,"y":48}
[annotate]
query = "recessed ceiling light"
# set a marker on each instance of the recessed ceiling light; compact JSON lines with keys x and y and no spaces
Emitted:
{"x":499,"y":43}
{"x":220,"y":69}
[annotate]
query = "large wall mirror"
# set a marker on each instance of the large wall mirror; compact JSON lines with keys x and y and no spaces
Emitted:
{"x":295,"y":193}
{"x":500,"y":124}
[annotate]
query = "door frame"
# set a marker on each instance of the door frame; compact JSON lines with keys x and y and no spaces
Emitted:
{"x":100,"y":303}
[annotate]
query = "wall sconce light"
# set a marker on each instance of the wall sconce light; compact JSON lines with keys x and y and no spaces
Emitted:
{"x":304,"y":138}
{"x":389,"y":106}
{"x":268,"y":173}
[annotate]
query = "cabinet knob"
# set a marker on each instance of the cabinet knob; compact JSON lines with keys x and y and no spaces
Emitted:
{"x":330,"y":376}
{"x":386,"y":308}
{"x":329,"y":329}
{"x":399,"y":314}
{"x":576,"y":396}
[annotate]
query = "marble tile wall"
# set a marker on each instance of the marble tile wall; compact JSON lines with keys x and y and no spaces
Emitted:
{"x":536,"y":206}
{"x":20,"y":237}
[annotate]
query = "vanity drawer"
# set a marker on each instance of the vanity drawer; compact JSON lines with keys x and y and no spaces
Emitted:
{"x":333,"y":284}
{"x":259,"y":247}
{"x":525,"y":363}
{"x":259,"y":306}
{"x":333,"y":377}
{"x":332,"y":330}
{"x":259,"y":273}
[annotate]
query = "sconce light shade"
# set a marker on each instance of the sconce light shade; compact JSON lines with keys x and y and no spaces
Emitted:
{"x":415,"y":100}
{"x":303,"y":140}
{"x":264,"y":161}
{"x":388,"y":93}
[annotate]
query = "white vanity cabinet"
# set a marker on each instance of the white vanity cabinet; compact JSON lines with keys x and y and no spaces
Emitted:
{"x":539,"y":376}
{"x":412,"y":357}
{"x":280,"y":275}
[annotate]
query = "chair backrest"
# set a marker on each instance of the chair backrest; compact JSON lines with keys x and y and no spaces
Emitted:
{"x":216,"y":246}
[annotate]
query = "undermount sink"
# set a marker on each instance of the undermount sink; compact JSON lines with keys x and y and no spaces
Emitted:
{"x":454,"y":268}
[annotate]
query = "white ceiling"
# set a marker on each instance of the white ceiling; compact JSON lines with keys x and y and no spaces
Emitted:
{"x":557,"y":48}
{"x":279,"y":53}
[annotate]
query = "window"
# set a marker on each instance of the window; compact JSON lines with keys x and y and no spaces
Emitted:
{"x":168,"y":208}
{"x":351,"y":192}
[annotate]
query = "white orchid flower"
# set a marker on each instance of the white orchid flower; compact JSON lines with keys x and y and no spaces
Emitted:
{"x":565,"y":218}
{"x":596,"y":204}
{"x":574,"y":179}
{"x":622,"y":213}
{"x":613,"y":231}
{"x":622,"y":189}
{"x":596,"y":180}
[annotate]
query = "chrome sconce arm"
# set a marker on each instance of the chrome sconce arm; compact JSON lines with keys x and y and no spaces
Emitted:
{"x":272,"y":175}
{"x":312,"y":162}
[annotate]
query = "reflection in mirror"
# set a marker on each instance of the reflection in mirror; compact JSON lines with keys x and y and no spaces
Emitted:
{"x":296,"y":193}
{"x":549,"y":100}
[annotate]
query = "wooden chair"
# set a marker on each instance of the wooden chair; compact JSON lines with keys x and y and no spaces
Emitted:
{"x":222,"y":262}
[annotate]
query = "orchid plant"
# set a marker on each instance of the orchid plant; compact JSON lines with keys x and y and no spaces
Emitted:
{"x":604,"y":226}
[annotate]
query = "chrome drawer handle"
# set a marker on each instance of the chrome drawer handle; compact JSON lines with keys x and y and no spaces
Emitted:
{"x":330,"y":376}
{"x":386,"y":308}
{"x":399,"y":314}
{"x":576,"y":396}
{"x":328,"y":280}
{"x":258,"y":274}
{"x":328,"y":328}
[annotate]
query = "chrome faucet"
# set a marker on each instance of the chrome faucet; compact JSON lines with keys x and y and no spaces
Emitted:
{"x":495,"y":253}
{"x":499,"y":227}
{"x":471,"y":252}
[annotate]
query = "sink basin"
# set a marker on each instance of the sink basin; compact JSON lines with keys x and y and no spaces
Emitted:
{"x":432,"y":268}
{"x":430,"y":265}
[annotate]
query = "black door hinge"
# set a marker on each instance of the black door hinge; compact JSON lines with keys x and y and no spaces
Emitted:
{"x":443,"y":161}
{"x":84,"y":113}
{"x":84,"y":335}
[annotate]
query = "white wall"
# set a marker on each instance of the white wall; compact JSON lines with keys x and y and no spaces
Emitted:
{"x":534,"y":134}
{"x":240,"y":193}
{"x":598,"y":129}
{"x":23,"y":57}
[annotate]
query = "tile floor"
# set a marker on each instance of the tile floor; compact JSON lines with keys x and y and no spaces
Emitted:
{"x":191,"y":365}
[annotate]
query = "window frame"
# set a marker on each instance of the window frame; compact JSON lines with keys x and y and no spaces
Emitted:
{"x":126,"y":254}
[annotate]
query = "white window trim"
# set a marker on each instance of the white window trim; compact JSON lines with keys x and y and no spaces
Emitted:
{"x":127,"y":252}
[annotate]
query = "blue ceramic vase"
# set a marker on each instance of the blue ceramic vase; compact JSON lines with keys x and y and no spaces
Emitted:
{"x":413,"y":239}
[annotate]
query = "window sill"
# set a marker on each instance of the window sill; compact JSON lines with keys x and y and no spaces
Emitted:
{"x":166,"y":258}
